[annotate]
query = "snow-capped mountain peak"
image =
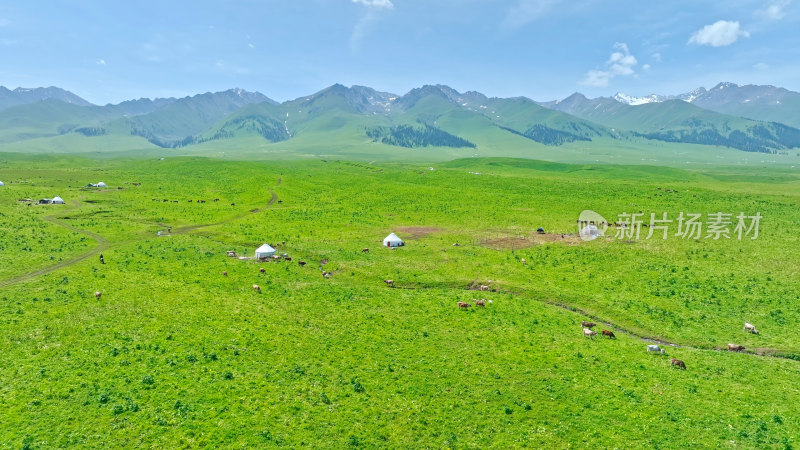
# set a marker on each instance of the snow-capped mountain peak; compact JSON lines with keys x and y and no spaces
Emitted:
{"x":633,"y":101}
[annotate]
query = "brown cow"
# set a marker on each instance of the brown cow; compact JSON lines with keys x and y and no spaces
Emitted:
{"x":224,"y":273}
{"x":464,"y":305}
{"x":483,"y":287}
{"x":364,"y":250}
{"x":609,"y":334}
{"x":262,"y":270}
{"x":588,"y":324}
{"x":256,"y":288}
{"x":326,"y":274}
{"x":97,"y":295}
{"x":288,"y":258}
{"x":589,"y":333}
{"x":302,"y":263}
{"x":678,"y":363}
{"x":480,"y":302}
{"x":735,"y":348}
{"x":389,"y":283}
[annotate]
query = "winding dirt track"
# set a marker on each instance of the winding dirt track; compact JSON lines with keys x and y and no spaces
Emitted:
{"x":103,"y":244}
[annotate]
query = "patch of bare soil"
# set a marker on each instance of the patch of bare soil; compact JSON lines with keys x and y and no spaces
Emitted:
{"x":416,"y":232}
{"x":519,"y":242}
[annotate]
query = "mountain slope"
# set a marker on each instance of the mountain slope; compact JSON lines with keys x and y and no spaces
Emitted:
{"x":767,"y":103}
{"x":24,"y":96}
{"x":178,"y":122}
{"x":679,"y":121}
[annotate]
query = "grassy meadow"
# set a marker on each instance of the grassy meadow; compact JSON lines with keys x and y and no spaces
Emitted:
{"x":177,"y":355}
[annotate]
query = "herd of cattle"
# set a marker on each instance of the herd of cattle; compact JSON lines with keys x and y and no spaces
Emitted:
{"x":590,"y":333}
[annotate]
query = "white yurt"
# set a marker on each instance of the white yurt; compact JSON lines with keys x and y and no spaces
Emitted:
{"x":57,"y":200}
{"x":392,"y":241}
{"x":590,"y":232}
{"x":101,"y":184}
{"x":2,"y":184}
{"x":265,"y":251}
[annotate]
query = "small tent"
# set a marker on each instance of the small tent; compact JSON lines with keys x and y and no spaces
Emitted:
{"x":392,"y":241}
{"x":265,"y":251}
{"x":57,"y":200}
{"x":590,"y":232}
{"x":101,"y":184}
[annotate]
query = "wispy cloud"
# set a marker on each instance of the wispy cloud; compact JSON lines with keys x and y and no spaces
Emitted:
{"x":719,"y":34}
{"x":378,"y":4}
{"x":527,"y":11}
{"x":620,"y":63}
{"x":776,"y":10}
{"x":374,"y":8}
{"x":100,"y":62}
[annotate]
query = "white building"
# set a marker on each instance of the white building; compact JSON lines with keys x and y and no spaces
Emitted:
{"x":265,"y":251}
{"x":57,"y":200}
{"x":392,"y":241}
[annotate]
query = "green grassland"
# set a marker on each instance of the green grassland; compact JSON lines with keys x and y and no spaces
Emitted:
{"x":175,"y":354}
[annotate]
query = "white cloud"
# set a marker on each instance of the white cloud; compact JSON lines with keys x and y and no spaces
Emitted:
{"x":526,"y":11}
{"x":620,"y":63}
{"x":718,"y":34}
{"x":646,"y":67}
{"x":775,"y":10}
{"x":378,"y":4}
{"x":374,"y":8}
{"x":761,"y":66}
{"x":100,"y":62}
{"x":656,"y":57}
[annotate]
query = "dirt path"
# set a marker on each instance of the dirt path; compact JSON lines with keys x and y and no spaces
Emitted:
{"x":103,"y":244}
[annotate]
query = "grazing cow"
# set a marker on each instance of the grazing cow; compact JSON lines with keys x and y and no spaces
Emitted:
{"x":750,"y":328}
{"x":735,"y":348}
{"x":190,"y":201}
{"x":301,"y":263}
{"x":233,"y":204}
{"x":464,"y":305}
{"x":288,"y":258}
{"x":97,"y":295}
{"x":609,"y":334}
{"x":456,"y":244}
{"x":257,"y":288}
{"x":327,"y":274}
{"x":678,"y":363}
{"x":364,"y":250}
{"x":224,"y":273}
{"x":480,"y":302}
{"x":216,"y":199}
{"x":483,"y":287}
{"x":262,"y":270}
{"x":588,"y":324}
{"x":389,"y":283}
{"x":589,"y":333}
{"x":231,"y":253}
{"x":655,"y":348}
{"x":522,"y":260}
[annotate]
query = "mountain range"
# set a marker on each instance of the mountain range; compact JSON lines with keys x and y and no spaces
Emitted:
{"x":763,"y":119}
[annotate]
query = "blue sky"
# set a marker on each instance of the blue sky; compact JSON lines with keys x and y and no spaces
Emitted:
{"x":109,"y":51}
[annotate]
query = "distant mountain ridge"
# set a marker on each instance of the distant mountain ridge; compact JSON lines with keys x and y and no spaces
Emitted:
{"x":427,"y":116}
